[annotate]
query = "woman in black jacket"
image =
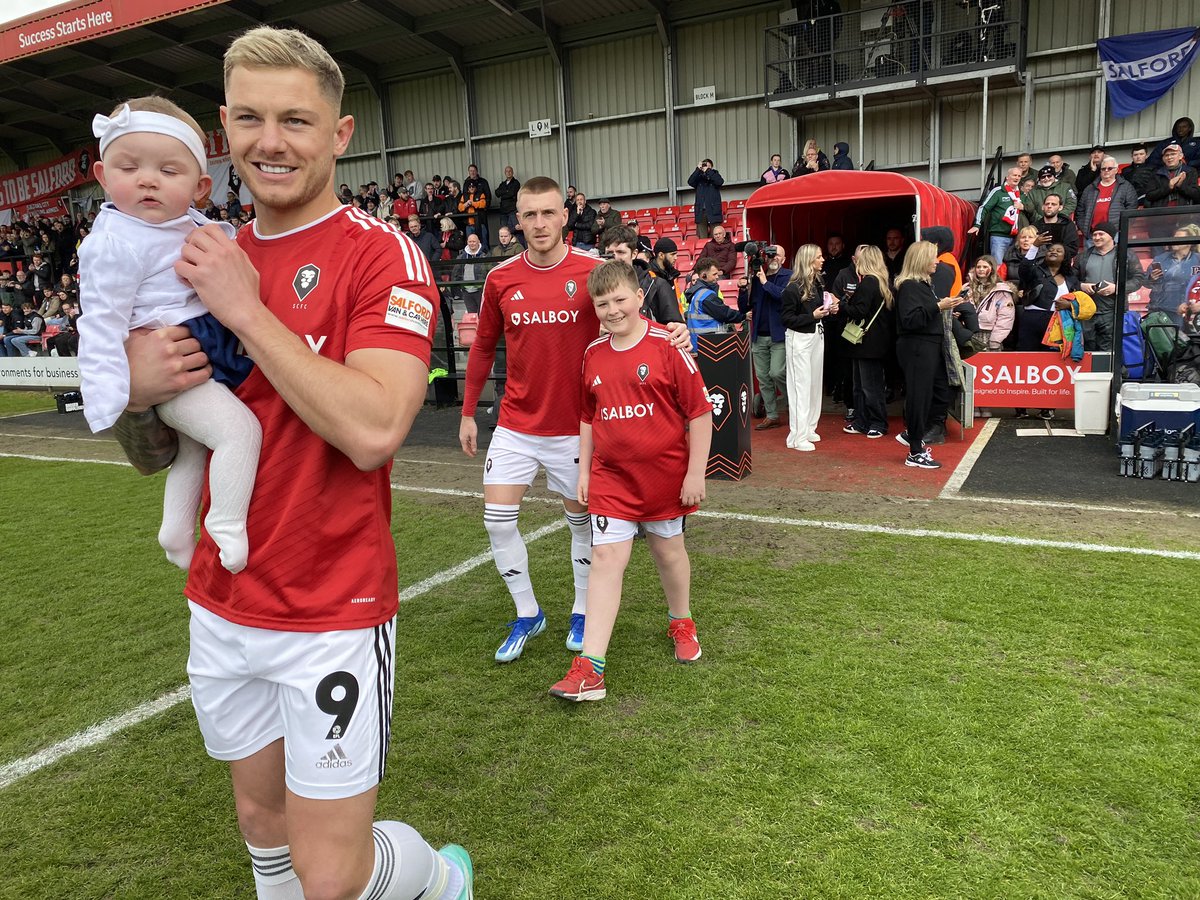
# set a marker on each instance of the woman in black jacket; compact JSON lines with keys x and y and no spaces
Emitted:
{"x":1044,"y":283}
{"x":871,"y":306}
{"x":920,"y":335}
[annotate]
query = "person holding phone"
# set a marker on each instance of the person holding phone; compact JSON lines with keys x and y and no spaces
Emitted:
{"x":1055,"y":226}
{"x":1096,"y":270}
{"x":1171,"y":272}
{"x":806,"y":304}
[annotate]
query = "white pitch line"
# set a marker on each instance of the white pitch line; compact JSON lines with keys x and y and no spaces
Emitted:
{"x":96,"y":734}
{"x":1084,"y":507}
{"x":70,"y":459}
{"x":53,"y":437}
{"x":967,"y":463}
{"x":950,"y":535}
{"x":437,"y":462}
{"x":32,"y":412}
{"x":89,"y":737}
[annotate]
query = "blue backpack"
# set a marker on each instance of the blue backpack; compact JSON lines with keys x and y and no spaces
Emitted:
{"x":1132,"y":347}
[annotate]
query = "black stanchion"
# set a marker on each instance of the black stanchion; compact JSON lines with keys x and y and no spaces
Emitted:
{"x":724,"y":361}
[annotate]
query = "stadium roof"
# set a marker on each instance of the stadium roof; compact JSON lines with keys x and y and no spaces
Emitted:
{"x":49,"y":97}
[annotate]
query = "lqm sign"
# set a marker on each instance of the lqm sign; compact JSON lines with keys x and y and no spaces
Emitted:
{"x":1043,"y":380}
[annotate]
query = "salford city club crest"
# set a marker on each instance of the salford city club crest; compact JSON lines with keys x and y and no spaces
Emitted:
{"x":571,"y":289}
{"x":643,"y":372}
{"x":602,"y":523}
{"x":306,"y":280}
{"x":719,"y":398}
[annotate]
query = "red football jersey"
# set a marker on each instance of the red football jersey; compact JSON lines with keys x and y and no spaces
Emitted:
{"x":322,"y":556}
{"x":547,"y":320}
{"x":638,"y":402}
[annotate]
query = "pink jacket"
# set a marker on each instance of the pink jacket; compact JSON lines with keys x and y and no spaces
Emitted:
{"x":997,"y":313}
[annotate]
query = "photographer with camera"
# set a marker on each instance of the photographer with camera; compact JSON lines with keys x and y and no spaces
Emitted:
{"x":706,"y":181}
{"x":760,"y":291}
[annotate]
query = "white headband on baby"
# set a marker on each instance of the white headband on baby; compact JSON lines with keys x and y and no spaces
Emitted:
{"x":128,"y":121}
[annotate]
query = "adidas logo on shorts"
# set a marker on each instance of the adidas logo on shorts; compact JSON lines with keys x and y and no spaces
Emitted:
{"x":335,"y":759}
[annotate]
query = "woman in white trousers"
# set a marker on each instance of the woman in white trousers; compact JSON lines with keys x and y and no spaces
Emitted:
{"x":805,"y":305}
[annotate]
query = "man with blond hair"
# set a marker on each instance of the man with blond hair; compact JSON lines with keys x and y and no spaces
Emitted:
{"x":291,"y":659}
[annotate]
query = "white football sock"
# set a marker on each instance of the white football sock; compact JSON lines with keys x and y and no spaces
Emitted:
{"x":510,"y":555}
{"x":581,"y":556}
{"x":406,"y":867}
{"x":274,"y":877}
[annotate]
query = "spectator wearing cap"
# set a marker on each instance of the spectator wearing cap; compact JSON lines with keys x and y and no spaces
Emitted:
{"x":660,"y":293}
{"x":1091,"y":170}
{"x":1183,"y":133}
{"x":1048,"y":182}
{"x":1174,"y":180}
{"x":1140,"y":172}
{"x":1104,"y":199}
{"x":706,"y":181}
{"x":1097,"y":273}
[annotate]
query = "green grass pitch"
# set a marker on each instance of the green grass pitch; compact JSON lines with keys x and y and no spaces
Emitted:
{"x":874,"y":716}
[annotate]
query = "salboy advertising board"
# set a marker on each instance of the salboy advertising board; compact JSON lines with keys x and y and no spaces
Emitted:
{"x":1041,"y":380}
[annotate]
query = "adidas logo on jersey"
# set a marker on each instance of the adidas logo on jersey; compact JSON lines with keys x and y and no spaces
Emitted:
{"x":517,"y":295}
{"x":334,"y":759}
{"x":596,"y":383}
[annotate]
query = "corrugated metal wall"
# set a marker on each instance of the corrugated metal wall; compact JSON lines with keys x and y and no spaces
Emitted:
{"x":739,"y":138}
{"x":510,"y":95}
{"x":425,"y":110}
{"x":623,"y":157}
{"x":361,"y":171}
{"x":615,"y":77}
{"x":365,"y":108}
{"x":528,"y":156}
{"x":705,"y":56}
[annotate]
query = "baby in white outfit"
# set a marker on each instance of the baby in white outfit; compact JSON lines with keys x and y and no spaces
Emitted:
{"x":153,"y":167}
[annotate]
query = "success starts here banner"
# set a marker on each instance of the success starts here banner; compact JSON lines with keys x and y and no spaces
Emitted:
{"x":71,"y":23}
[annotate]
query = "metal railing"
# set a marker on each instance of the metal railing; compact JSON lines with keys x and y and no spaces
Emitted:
{"x":893,"y":42}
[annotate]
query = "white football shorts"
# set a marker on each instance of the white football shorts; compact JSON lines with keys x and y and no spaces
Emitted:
{"x":513,"y":458}
{"x":327,"y":694}
{"x":607,"y":530}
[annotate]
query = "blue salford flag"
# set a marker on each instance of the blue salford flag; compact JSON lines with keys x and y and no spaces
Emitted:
{"x":1141,"y":68}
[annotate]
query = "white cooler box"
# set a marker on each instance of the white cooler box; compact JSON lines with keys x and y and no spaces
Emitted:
{"x":1171,"y":407}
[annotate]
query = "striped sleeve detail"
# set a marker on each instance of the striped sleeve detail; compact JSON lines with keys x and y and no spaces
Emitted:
{"x":416,"y":266}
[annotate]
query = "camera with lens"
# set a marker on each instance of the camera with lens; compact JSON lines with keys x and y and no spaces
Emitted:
{"x":757,"y":256}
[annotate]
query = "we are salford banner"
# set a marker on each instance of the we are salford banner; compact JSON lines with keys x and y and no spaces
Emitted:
{"x":43,"y":186}
{"x":70,"y":23}
{"x":1140,"y":68}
